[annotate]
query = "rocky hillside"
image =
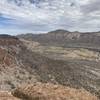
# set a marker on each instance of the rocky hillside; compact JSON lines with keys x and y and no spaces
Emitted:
{"x":74,"y":67}
{"x":49,"y":91}
{"x":7,"y":96}
{"x":20,"y":64}
{"x":12,"y":70}
{"x":66,"y":39}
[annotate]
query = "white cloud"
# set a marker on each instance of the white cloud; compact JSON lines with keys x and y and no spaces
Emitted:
{"x":48,"y":11}
{"x":45,"y":15}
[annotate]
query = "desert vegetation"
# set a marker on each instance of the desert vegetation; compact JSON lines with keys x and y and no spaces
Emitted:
{"x":40,"y":91}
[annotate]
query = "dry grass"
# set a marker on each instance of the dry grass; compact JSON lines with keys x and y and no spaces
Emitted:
{"x":49,"y":91}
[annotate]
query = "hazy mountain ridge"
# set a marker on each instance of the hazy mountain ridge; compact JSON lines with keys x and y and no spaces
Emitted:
{"x":66,"y":39}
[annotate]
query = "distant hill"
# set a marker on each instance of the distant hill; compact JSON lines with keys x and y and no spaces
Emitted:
{"x":66,"y":39}
{"x":6,"y":36}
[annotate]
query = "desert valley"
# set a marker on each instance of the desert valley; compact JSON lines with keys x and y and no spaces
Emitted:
{"x":58,"y":65}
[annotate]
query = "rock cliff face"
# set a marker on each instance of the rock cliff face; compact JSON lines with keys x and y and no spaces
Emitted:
{"x":9,"y":47}
{"x":12,"y":71}
{"x":8,"y":40}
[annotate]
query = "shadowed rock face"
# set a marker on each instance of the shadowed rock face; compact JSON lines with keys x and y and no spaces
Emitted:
{"x":8,"y":40}
{"x":6,"y":36}
{"x":9,"y":47}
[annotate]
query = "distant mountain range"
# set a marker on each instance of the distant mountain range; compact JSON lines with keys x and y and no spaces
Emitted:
{"x":66,"y":39}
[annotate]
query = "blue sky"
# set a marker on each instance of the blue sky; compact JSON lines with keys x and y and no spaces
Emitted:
{"x":38,"y":16}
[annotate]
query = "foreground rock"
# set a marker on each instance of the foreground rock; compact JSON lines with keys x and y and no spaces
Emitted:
{"x":7,"y":96}
{"x":49,"y":91}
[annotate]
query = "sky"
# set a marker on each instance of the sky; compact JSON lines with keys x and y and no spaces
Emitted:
{"x":39,"y":16}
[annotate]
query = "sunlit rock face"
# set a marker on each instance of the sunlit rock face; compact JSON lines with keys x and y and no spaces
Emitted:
{"x":49,"y":91}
